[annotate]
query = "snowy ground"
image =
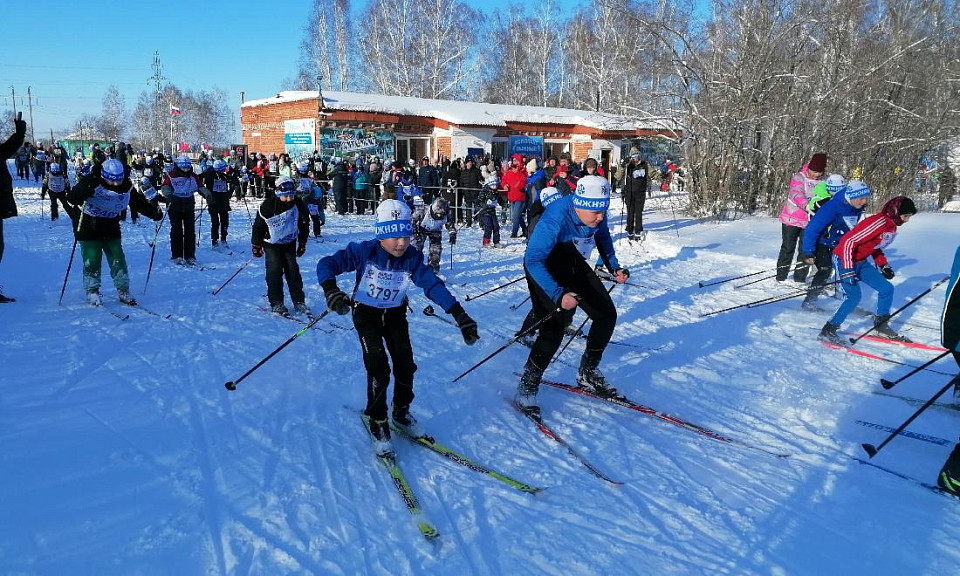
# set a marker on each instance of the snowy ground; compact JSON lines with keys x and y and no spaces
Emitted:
{"x":124,"y":454}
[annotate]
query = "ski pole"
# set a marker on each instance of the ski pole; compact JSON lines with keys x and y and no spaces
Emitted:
{"x":429,"y":311}
{"x":520,"y":303}
{"x":888,"y":384}
{"x":200,"y":219}
{"x":761,"y":279}
{"x":232,"y":385}
{"x":607,"y":277}
{"x":901,"y":309}
{"x":511,"y":342}
{"x":153,"y":251}
{"x":514,"y":281}
{"x":872,"y":450}
{"x":67,"y":275}
{"x":235,"y":274}
{"x":774,"y":300}
{"x":704,"y":285}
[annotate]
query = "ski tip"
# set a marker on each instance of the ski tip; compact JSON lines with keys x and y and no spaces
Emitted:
{"x":231,"y":385}
{"x":887,"y":384}
{"x":870,"y":449}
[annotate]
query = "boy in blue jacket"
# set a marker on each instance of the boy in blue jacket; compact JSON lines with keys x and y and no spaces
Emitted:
{"x":560,"y":278}
{"x":823,"y":233}
{"x":385,"y":267}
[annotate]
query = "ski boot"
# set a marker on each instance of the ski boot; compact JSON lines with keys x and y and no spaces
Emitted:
{"x":5,"y":299}
{"x":526,"y":397}
{"x":882,"y":326}
{"x":301,"y":308}
{"x":590,"y":379}
{"x":191,"y":261}
{"x":405,"y":420}
{"x":178,"y":260}
{"x":810,"y":305}
{"x":93,"y":299}
{"x":126,"y":298}
{"x":829,"y":334}
{"x":216,"y":245}
{"x":280,"y":309}
{"x":380,"y":430}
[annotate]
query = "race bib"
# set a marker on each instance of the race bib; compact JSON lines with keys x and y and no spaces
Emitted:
{"x":56,"y":184}
{"x":106,"y":203}
{"x":639,"y":173}
{"x":273,"y":166}
{"x":220,"y":186}
{"x":282,"y":226}
{"x":313,"y":209}
{"x":585,"y":246}
{"x":430,"y":224}
{"x":886,"y":239}
{"x":183,"y":186}
{"x":148,"y":172}
{"x":382,"y":288}
{"x":851,"y":221}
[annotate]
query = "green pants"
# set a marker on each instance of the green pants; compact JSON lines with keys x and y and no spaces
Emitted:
{"x":92,"y":252}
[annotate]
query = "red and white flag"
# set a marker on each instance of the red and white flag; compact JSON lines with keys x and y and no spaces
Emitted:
{"x":174,"y":110}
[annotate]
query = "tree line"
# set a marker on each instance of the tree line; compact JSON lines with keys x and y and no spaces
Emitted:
{"x":752,"y":87}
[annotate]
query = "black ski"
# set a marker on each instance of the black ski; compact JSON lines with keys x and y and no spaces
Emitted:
{"x":918,"y":401}
{"x":907,"y":433}
{"x":549,"y":433}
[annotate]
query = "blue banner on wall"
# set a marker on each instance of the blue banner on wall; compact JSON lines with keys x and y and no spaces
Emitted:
{"x":528,"y":146}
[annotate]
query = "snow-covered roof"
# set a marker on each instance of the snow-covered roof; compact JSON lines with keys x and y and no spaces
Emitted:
{"x":457,"y":112}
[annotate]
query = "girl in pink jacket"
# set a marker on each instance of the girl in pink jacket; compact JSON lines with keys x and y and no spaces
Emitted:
{"x":794,"y":217}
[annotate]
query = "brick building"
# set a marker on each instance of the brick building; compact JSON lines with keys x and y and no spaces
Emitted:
{"x":401,"y":127}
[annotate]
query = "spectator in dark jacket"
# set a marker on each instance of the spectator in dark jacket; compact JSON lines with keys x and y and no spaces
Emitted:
{"x":469,"y":187}
{"x":428,"y":179}
{"x":8,"y":206}
{"x":339,"y":180}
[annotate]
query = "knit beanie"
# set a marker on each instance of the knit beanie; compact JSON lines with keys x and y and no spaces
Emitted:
{"x":836,"y":183}
{"x":907,"y":207}
{"x":593,"y":193}
{"x":393,"y":220}
{"x":532,"y":166}
{"x":856,"y":189}
{"x":818,"y":162}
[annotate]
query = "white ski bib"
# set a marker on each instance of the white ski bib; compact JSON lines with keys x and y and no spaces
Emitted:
{"x":183,"y":186}
{"x":219,"y":185}
{"x":382,"y":288}
{"x":56,"y":184}
{"x":283,"y":226}
{"x":148,"y":171}
{"x":106,"y":203}
{"x":585,"y":246}
{"x":430,"y":224}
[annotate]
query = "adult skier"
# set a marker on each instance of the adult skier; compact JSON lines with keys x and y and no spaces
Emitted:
{"x":560,"y":279}
{"x":8,"y":206}
{"x":866,"y":239}
{"x":103,"y":196}
{"x":384,"y":269}
{"x":634,"y":189}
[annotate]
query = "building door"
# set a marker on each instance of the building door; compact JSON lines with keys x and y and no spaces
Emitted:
{"x":403,"y":151}
{"x":605,"y":162}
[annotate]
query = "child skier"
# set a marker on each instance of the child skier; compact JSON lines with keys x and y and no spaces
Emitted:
{"x":428,"y":222}
{"x":949,"y":478}
{"x":313,"y":196}
{"x":559,"y":277}
{"x":179,"y":186}
{"x":868,"y":238}
{"x":57,"y":184}
{"x":282,"y":223}
{"x":385,"y":267}
{"x":104,"y":194}
{"x":827,"y":226}
{"x":216,"y":186}
{"x":488,"y":200}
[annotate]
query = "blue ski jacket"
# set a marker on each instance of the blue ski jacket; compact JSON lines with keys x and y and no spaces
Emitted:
{"x":559,"y":223}
{"x":356,"y":255}
{"x":830,"y":223}
{"x":950,"y":322}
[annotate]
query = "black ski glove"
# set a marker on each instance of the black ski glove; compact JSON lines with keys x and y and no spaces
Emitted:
{"x":337,"y":300}
{"x":887,"y":272}
{"x":468,"y":327}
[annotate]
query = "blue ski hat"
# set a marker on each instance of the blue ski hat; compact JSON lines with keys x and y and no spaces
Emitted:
{"x":835,"y":183}
{"x":548,"y":195}
{"x":393,"y":220}
{"x":857,"y":189}
{"x":593,"y":193}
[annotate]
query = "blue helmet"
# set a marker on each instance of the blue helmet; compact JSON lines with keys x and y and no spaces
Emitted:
{"x":112,"y":171}
{"x":303,"y":167}
{"x":219,"y":165}
{"x":184,"y":163}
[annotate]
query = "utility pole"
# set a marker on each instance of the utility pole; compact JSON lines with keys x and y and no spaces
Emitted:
{"x":157,"y":80}
{"x":13,"y":98}
{"x":33,"y":135}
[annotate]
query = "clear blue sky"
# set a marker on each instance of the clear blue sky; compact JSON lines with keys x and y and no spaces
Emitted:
{"x":69,"y":51}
